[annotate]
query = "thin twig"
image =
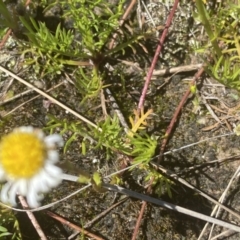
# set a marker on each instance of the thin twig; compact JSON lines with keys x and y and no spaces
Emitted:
{"x":32,"y":218}
{"x":155,"y":58}
{"x":19,"y":95}
{"x":138,"y":223}
{"x":89,"y":224}
{"x":128,"y":10}
{"x":224,"y":235}
{"x":176,"y":114}
{"x":73,"y":226}
{"x":6,"y":86}
{"x":210,"y":109}
{"x":171,"y":206}
{"x":144,"y":92}
{"x":184,"y":182}
{"x":16,"y":97}
{"x":217,"y":207}
{"x":186,"y":68}
{"x":196,"y":143}
{"x":103,"y":104}
{"x":50,"y":204}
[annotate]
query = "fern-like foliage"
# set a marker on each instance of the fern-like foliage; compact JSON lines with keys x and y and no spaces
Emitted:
{"x":139,"y":122}
{"x":77,"y":129}
{"x":160,"y":182}
{"x":88,"y":85}
{"x":47,"y":42}
{"x":95,"y":21}
{"x":47,"y":46}
{"x":143,"y":148}
{"x":111,"y":137}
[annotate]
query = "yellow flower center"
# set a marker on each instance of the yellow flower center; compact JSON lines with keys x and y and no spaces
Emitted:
{"x":22,"y":154}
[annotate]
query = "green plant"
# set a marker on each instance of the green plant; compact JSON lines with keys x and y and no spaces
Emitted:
{"x":143,"y":148}
{"x":95,"y":21}
{"x":75,"y":128}
{"x":8,"y":19}
{"x":160,"y":182}
{"x":48,"y":47}
{"x":205,"y":20}
{"x":222,"y":30}
{"x":88,"y":82}
{"x":94,"y":29}
{"x":9,"y":228}
{"x":111,"y":137}
{"x":4,"y":232}
{"x":84,"y":44}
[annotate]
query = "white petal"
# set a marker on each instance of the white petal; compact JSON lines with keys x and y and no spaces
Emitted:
{"x":53,"y":140}
{"x":12,"y":193}
{"x":51,"y":182}
{"x":33,"y":195}
{"x":2,"y":175}
{"x":4,"y":192}
{"x":48,"y":178}
{"x":28,"y":129}
{"x":40,"y":134}
{"x":53,"y":156}
{"x":53,"y":170}
{"x":32,"y":198}
{"x":23,"y":186}
{"x":38,"y":183}
{"x":53,"y":179}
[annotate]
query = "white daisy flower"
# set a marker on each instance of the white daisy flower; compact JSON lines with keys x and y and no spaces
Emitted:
{"x":27,"y":165}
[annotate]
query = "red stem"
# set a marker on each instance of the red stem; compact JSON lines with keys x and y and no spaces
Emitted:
{"x":157,"y":52}
{"x":176,"y":113}
{"x":142,"y":99}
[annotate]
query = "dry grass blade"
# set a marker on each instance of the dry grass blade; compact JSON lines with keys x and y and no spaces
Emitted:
{"x":179,"y":69}
{"x":26,"y":92}
{"x":173,"y":175}
{"x":117,"y":110}
{"x":210,"y":110}
{"x":171,"y":206}
{"x":49,"y":97}
{"x":218,"y":207}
